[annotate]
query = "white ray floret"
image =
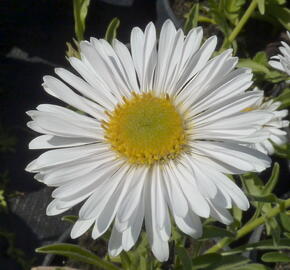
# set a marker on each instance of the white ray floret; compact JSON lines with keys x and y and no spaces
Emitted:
{"x":191,"y":124}
{"x":273,"y":130}
{"x":282,"y":60}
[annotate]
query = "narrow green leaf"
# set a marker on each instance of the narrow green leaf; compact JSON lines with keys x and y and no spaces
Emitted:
{"x":285,"y":221}
{"x":229,"y":263}
{"x":261,"y":58}
{"x":284,"y":98}
{"x":253,"y":266}
{"x":71,"y":219}
{"x":252,"y":183}
{"x":191,"y":18}
{"x":255,"y":66}
{"x":261,"y":245}
{"x":283,"y":150}
{"x":77,"y":253}
{"x":205,"y":261}
{"x":238,"y":215}
{"x":274,"y":257}
{"x":274,"y":230}
{"x":80,"y":13}
{"x":112,"y":28}
{"x":184,"y":258}
{"x":266,"y":198}
{"x":261,"y":6}
{"x":279,"y":2}
{"x":268,"y":188}
{"x":232,"y":9}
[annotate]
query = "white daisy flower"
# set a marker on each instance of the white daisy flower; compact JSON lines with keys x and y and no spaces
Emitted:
{"x":282,"y":61}
{"x":160,"y":129}
{"x":273,"y":127}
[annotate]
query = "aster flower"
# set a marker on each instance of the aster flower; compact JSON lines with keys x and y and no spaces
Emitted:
{"x":159,"y":130}
{"x":282,"y":61}
{"x":273,"y":127}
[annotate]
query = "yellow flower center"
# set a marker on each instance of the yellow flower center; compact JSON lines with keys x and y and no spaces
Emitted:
{"x":146,"y":129}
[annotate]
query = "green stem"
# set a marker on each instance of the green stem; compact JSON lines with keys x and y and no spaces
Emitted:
{"x":240,"y":24}
{"x":249,"y":227}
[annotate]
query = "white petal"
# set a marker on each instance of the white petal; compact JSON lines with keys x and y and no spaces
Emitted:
{"x":238,"y":156}
{"x":51,"y":141}
{"x":127,"y":63}
{"x":196,"y":201}
{"x":95,"y":93}
{"x":59,"y":90}
{"x":80,"y":227}
{"x":175,"y":193}
{"x":220,"y":214}
{"x":197,"y":62}
{"x":115,"y":243}
{"x":67,"y":155}
{"x":190,"y":224}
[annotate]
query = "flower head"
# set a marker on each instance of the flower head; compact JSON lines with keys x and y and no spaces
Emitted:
{"x":159,"y":130}
{"x":271,"y":130}
{"x":282,"y":61}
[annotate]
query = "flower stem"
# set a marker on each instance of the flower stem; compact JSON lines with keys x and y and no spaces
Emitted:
{"x":249,"y":227}
{"x":240,"y":24}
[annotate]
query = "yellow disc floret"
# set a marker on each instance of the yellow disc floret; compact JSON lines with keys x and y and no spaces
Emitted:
{"x":146,"y":129}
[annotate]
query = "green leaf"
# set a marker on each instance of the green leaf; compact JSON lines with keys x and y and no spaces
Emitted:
{"x":125,"y":259}
{"x":238,"y":215}
{"x":71,"y":219}
{"x":283,"y":151}
{"x":261,"y":58}
{"x":80,"y":13}
{"x":285,"y":221}
{"x":232,"y":9}
{"x":274,"y":230}
{"x":278,"y":2}
{"x":217,"y":12}
{"x":255,"y":66}
{"x":261,"y":6}
{"x":191,"y":18}
{"x":229,"y":262}
{"x":270,"y":198}
{"x":112,"y":28}
{"x":268,"y":188}
{"x":210,"y":231}
{"x":206,"y":260}
{"x":284,"y":98}
{"x":274,"y":257}
{"x":77,"y":253}
{"x":261,"y":245}
{"x":252,"y":183}
{"x":282,"y":14}
{"x":253,"y":266}
{"x":184,"y":258}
